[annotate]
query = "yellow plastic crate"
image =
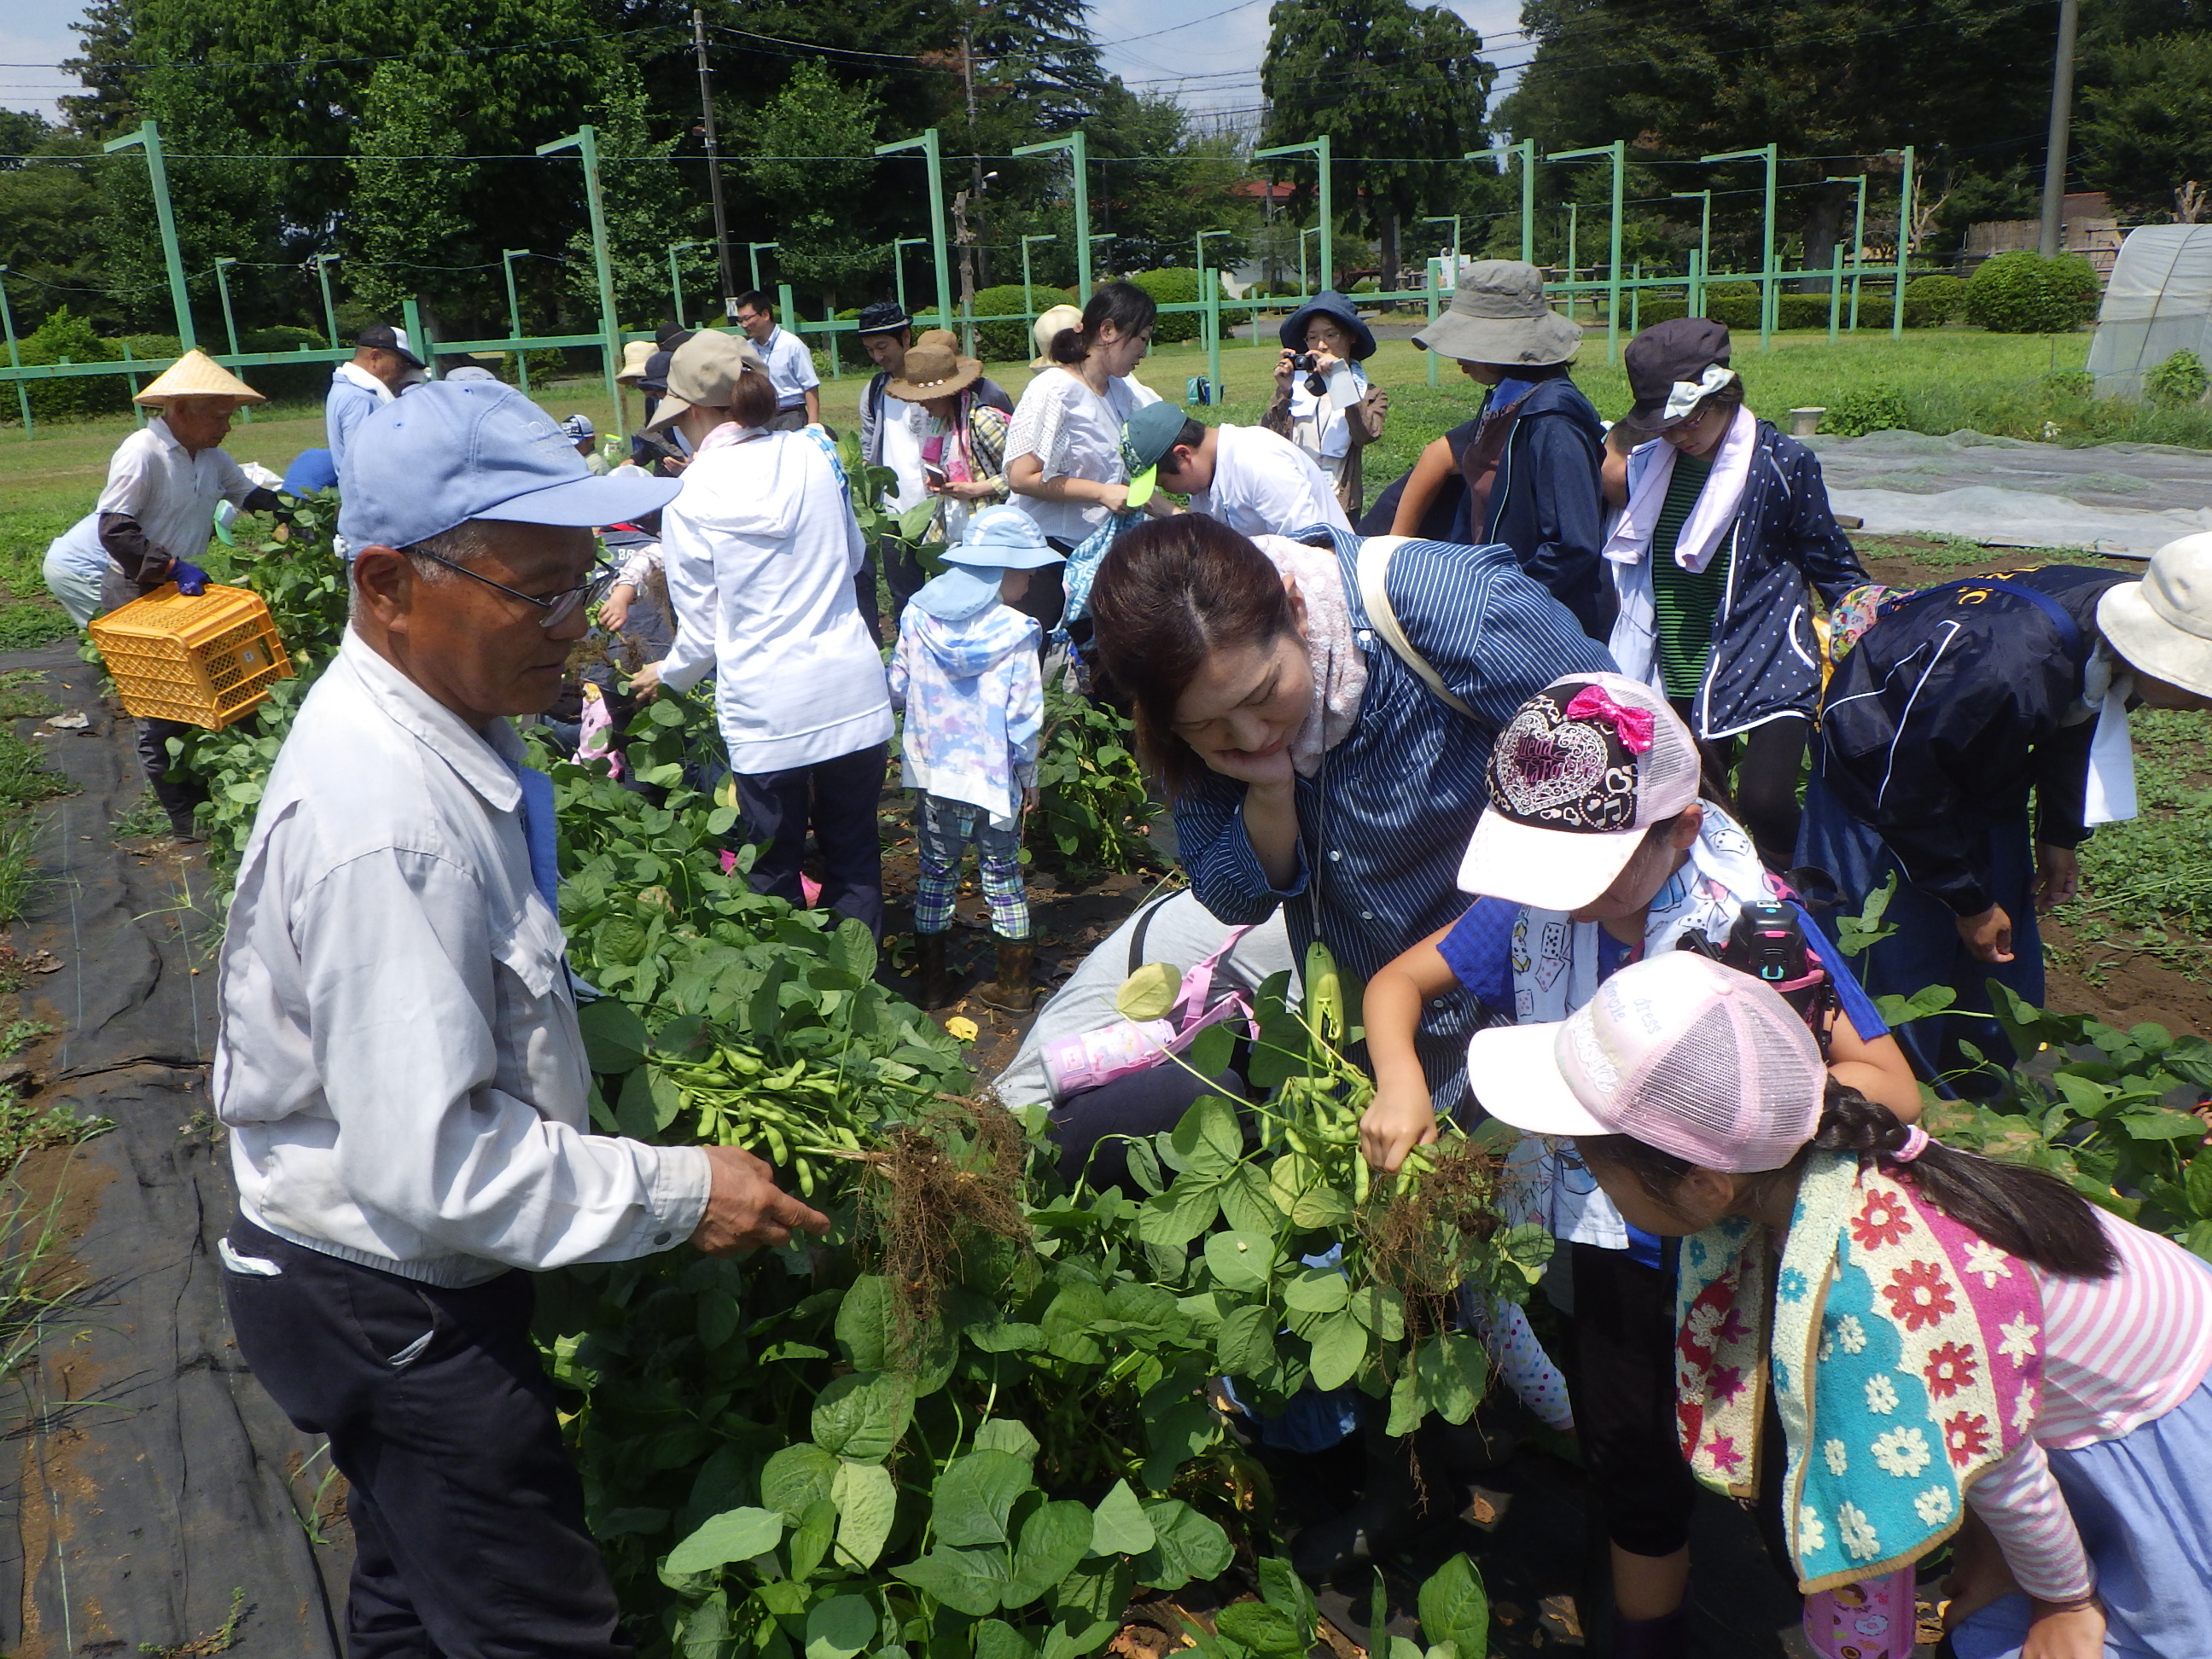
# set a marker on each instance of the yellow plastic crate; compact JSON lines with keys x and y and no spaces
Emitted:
{"x":204,"y":662}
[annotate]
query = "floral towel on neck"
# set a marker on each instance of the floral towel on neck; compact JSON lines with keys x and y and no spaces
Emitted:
{"x":1905,"y":1360}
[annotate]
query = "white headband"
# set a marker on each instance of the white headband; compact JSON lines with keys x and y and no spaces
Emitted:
{"x":1685,"y":395}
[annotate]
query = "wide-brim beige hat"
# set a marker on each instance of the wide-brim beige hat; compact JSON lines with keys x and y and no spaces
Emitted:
{"x":1048,"y":325}
{"x":2163,"y":623}
{"x":195,"y":374}
{"x":635,"y":356}
{"x":1498,"y":315}
{"x":935,"y":368}
{"x":705,"y":371}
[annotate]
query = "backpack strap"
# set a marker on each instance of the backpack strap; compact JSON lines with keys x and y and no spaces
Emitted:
{"x":1373,"y":564}
{"x":2069,"y":631}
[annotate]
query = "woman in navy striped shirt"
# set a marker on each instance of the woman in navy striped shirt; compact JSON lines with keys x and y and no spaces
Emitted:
{"x":1309,"y":764}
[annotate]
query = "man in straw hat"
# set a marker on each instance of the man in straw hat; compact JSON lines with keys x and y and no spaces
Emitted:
{"x":1526,"y":470}
{"x":157,"y":511}
{"x":400,"y":1066}
{"x":384,"y":365}
{"x":1944,"y":712}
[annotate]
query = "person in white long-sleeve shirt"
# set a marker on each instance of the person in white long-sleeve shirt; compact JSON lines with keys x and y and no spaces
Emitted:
{"x":400,"y":1064}
{"x":759,"y":552}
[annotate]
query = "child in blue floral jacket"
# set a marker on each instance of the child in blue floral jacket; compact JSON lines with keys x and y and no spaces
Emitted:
{"x":966,"y":674}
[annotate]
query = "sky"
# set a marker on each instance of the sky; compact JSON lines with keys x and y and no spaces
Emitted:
{"x":1206,"y":53}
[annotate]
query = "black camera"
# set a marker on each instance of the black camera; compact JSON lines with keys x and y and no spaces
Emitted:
{"x":1306,"y":361}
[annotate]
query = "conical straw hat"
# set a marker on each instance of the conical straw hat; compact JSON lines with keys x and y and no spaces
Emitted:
{"x":195,"y":374}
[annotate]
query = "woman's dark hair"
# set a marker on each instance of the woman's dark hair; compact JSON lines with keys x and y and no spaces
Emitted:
{"x":1128,"y":308}
{"x":752,"y":400}
{"x":1170,"y":594}
{"x":2023,"y":1211}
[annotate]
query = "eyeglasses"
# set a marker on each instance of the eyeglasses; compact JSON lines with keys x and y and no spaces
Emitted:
{"x":554,"y":608}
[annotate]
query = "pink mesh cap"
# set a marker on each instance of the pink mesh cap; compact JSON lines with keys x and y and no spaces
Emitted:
{"x":1580,"y":772}
{"x":1678,"y":1052}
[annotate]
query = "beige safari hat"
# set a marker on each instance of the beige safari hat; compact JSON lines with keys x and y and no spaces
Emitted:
{"x":634,"y":356}
{"x":2163,"y":623}
{"x":1046,"y":326}
{"x":1498,"y":315}
{"x":195,"y":374}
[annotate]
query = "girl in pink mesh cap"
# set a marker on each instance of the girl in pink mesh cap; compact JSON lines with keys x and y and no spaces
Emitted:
{"x":1942,"y":1335}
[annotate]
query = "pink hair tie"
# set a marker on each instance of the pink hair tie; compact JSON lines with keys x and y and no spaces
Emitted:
{"x":1634,"y":726}
{"x":1917,"y":1141}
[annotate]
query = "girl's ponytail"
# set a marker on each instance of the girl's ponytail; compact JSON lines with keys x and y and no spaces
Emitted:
{"x":1128,"y":308}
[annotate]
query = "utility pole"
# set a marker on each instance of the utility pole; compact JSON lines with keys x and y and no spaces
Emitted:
{"x":725,"y":259}
{"x":2052,"y":242}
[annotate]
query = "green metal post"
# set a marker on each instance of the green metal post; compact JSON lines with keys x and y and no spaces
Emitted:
{"x":927,"y":145}
{"x":1028,"y":300}
{"x":1836,"y":293}
{"x":1319,"y":148}
{"x":753,"y":252}
{"x":1431,"y":355}
{"x":1211,"y":295}
{"x":1858,"y":239}
{"x":1697,"y":283}
{"x":1080,"y":164}
{"x":322,"y":263}
{"x":419,"y":337}
{"x":1904,"y":238}
{"x":1635,"y":301}
{"x":676,"y":277}
{"x":15,"y":356}
{"x":585,"y":141}
{"x":898,"y":263}
{"x":1305,"y":291}
{"x":506,"y":256}
{"x":1526,"y":149}
{"x":229,"y":325}
{"x":136,"y":407}
{"x":1574,"y":260}
{"x":149,"y":139}
{"x":1704,"y":259}
{"x":829,"y":316}
{"x":786,"y":309}
{"x":1771,"y":155}
{"x":1617,"y":152}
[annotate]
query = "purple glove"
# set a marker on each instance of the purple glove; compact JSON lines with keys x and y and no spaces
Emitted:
{"x":191,"y":581}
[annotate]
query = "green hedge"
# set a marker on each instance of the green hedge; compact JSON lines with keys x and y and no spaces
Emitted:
{"x":1171,"y":287}
{"x":65,"y":335}
{"x":1009,"y":341}
{"x":2023,"y":292}
{"x":1931,"y":301}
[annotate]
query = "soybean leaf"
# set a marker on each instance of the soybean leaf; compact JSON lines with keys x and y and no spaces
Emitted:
{"x":614,"y":1038}
{"x":1453,"y":1373}
{"x":1921,"y":1005}
{"x":1267,"y":1631}
{"x":862,"y":1415}
{"x":1246,"y":1346}
{"x":1119,"y":1526}
{"x":1246,"y":1202}
{"x":995,"y":1638}
{"x":1005,"y":1434}
{"x":1241,"y":1260}
{"x":1149,"y":993}
{"x":1455,"y":1609}
{"x":1318,"y":1289}
{"x":796,"y":1476}
{"x":1066,"y":1639}
{"x":1186,"y":1545}
{"x":733,"y":1535}
{"x":2200,"y":1182}
{"x":1406,"y":1407}
{"x":1096,"y":1589}
{"x":975,"y":1495}
{"x":1178,"y":1434}
{"x":1209,"y":1054}
{"x":973,"y":1582}
{"x":2163,"y":1125}
{"x":1339,"y":1348}
{"x":1054,"y":1542}
{"x":867,"y":1506}
{"x":1069,"y":1322}
{"x":1208,"y":1140}
{"x":839,"y":1628}
{"x":1280,"y":1587}
{"x":864,"y":1323}
{"x":705,"y":1631}
{"x":811,"y":1539}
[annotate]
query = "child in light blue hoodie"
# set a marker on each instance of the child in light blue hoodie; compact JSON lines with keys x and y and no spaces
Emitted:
{"x":966,"y":674}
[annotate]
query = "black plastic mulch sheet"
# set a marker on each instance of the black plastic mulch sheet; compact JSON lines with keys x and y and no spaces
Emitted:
{"x":147,"y":1483}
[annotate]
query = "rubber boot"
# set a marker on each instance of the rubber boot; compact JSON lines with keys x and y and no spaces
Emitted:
{"x":929,"y":969}
{"x":1012,"y":992}
{"x":1653,"y":1638}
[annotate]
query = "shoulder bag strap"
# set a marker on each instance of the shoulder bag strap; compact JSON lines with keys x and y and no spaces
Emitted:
{"x":1373,"y":563}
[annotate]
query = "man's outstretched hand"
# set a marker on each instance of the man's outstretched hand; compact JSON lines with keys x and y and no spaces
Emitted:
{"x":746,"y":1208}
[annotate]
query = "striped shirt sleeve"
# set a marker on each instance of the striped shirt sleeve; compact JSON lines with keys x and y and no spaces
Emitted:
{"x":1494,"y":635}
{"x":2019,"y":1498}
{"x":1217,"y":853}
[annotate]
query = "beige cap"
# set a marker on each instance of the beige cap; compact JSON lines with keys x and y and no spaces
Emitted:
{"x":195,"y":374}
{"x":2163,"y":623}
{"x":705,"y":371}
{"x":1498,"y":315}
{"x":1046,"y":326}
{"x":636,"y":355}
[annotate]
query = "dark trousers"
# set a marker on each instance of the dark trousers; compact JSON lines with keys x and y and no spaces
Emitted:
{"x":1624,"y":1400}
{"x":177,"y":796}
{"x":1926,"y":949}
{"x":1767,"y":762}
{"x":837,"y":799}
{"x":1092,"y":1129}
{"x":468,"y":1518}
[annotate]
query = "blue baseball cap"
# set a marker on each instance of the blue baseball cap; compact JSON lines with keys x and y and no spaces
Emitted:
{"x":446,"y":453}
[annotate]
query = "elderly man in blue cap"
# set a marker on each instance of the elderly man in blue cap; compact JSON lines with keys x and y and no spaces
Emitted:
{"x":400,"y":1066}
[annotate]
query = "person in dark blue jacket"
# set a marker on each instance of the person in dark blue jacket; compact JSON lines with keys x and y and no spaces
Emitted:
{"x":1524,"y":470}
{"x":1951,"y":709}
{"x":1724,"y":540}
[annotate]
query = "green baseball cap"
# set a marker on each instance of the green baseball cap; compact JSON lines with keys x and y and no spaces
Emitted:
{"x":1146,"y":436}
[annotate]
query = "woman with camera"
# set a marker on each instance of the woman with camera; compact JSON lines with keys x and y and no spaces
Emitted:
{"x":1322,"y":401}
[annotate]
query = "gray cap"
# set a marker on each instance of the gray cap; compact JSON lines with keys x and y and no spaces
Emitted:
{"x":1498,"y":315}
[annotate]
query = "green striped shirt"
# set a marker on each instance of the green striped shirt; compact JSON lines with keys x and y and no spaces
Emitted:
{"x":1684,"y":604}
